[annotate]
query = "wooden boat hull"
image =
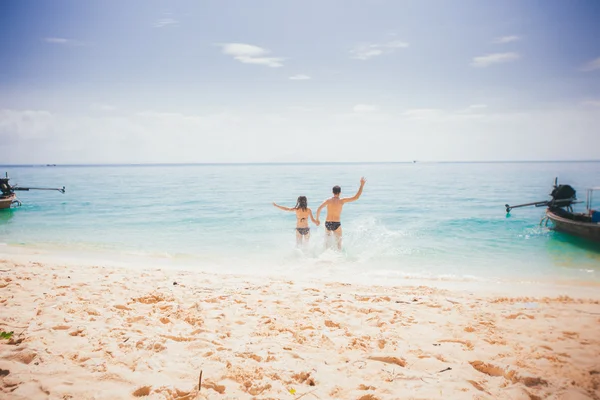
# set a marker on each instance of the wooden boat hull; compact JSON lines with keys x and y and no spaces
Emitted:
{"x":6,"y":201}
{"x":586,"y":230}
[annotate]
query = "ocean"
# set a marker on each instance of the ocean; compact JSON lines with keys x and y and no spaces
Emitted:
{"x":414,"y":220}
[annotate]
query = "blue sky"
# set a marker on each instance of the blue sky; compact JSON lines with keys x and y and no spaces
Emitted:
{"x":271,"y":81}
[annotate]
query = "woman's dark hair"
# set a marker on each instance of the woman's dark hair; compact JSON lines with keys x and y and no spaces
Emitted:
{"x":302,"y":203}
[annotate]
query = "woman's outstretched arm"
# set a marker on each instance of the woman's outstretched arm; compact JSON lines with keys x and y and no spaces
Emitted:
{"x":283,"y":208}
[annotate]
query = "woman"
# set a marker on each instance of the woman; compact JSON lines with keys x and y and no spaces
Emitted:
{"x":302,"y":213}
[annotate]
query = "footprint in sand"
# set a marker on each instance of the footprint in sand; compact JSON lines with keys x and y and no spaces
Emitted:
{"x":466,"y":343}
{"x":365,"y":387}
{"x":304,"y":377}
{"x":77,"y":332}
{"x":61,"y":327}
{"x":217,"y":388}
{"x":143,"y":391}
{"x":520,"y":316}
{"x":331,"y":324}
{"x":10,"y":383}
{"x":488,"y":369}
{"x":23,"y":356}
{"x":492,"y":370}
{"x":477,"y":385}
{"x":390,"y":360}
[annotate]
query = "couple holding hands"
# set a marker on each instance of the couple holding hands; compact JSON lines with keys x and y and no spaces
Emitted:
{"x":334,"y":212}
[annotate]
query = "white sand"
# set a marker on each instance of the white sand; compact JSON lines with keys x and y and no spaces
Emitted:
{"x":83,"y":332}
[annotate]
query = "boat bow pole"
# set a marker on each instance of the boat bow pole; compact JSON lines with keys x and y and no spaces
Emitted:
{"x":62,"y":190}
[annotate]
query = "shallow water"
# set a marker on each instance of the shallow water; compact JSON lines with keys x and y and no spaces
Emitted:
{"x":432,"y":220}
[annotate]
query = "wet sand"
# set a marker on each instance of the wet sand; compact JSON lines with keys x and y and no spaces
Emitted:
{"x":105,"y":332}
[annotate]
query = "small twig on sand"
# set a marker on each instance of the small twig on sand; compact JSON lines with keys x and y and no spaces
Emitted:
{"x":2,"y":323}
{"x":200,"y":381}
{"x":587,"y":312}
{"x":444,"y":370}
{"x":299,"y":397}
{"x":391,"y":374}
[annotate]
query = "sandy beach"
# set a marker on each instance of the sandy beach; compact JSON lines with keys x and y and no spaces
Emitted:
{"x":105,"y":332}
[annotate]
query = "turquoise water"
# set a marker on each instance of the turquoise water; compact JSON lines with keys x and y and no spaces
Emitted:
{"x":429,"y":220}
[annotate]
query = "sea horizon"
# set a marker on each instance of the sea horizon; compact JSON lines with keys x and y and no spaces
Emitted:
{"x":296,"y":163}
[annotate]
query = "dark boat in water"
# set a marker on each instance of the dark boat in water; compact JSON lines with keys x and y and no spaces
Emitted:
{"x":8,"y":196}
{"x":560,"y":212}
{"x":577,"y":224}
{"x":7,"y":200}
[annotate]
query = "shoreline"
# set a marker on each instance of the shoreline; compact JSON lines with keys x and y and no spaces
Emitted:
{"x":100,"y":332}
{"x":299,"y":272}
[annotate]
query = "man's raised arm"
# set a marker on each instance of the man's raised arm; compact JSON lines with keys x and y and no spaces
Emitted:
{"x":357,"y":195}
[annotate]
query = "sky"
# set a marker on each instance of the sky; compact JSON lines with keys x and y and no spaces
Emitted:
{"x":217,"y":81}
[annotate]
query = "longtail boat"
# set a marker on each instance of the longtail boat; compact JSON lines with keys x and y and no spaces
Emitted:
{"x":560,"y":212}
{"x":8,"y":197}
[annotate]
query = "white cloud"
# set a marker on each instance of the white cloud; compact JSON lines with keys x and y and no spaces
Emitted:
{"x":300,"y":109}
{"x":40,"y":137}
{"x":365,"y":108}
{"x":423,"y":113}
{"x":102,"y":107}
{"x":473,"y":108}
{"x":507,"y":39}
{"x":166,"y":121}
{"x":496,"y":58}
{"x":364,"y":51}
{"x":18,"y":126}
{"x":300,"y":77}
{"x":592,"y":65}
{"x":56,"y":40}
{"x":62,"y":41}
{"x":429,"y":115}
{"x":164,"y":22}
{"x":591,"y":103}
{"x":249,"y":54}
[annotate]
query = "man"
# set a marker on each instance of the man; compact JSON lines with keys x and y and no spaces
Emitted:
{"x":334,"y":211}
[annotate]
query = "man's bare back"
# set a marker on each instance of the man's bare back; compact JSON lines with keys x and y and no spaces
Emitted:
{"x":334,"y":211}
